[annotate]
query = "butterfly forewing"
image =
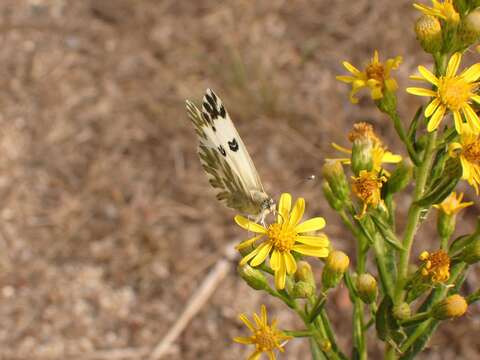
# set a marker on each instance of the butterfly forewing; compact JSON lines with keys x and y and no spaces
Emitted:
{"x":224,"y":157}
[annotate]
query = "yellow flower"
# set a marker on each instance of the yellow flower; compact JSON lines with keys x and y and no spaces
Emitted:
{"x":453,"y":204}
{"x":451,"y":307}
{"x":266,"y":338}
{"x":468,"y":149}
{"x":375,"y":77}
{"x":453,"y":93}
{"x":380,"y":155}
{"x":284,"y":237}
{"x":445,"y":10}
{"x":367,"y":188}
{"x":436,"y":266}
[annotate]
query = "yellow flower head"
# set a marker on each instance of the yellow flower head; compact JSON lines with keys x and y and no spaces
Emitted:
{"x":266,"y":338}
{"x":443,"y":10}
{"x":375,"y":77}
{"x":453,"y":93}
{"x":380,"y":154}
{"x":451,"y":307}
{"x":468,"y":150}
{"x":284,"y":237}
{"x":367,"y":188}
{"x":453,"y":204}
{"x":436,"y":266}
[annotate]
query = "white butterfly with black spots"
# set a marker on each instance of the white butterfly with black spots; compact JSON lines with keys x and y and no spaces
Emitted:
{"x":226,"y":161}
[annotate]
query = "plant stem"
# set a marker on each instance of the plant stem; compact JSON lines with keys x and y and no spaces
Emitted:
{"x":473,"y":297}
{"x":414,"y":216}
{"x":397,"y":123}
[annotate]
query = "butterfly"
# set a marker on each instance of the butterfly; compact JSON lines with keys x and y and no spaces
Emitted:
{"x":225,"y":159}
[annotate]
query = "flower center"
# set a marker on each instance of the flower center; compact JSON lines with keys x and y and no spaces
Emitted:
{"x":265,"y":339}
{"x":367,"y":189}
{"x":376,"y":72}
{"x":471,"y":152}
{"x":437,"y":266}
{"x":282,"y":238}
{"x":454,"y":92}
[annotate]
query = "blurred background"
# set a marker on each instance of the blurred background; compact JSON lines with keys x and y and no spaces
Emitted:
{"x":108,"y":224}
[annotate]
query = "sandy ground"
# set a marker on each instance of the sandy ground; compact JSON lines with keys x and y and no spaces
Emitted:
{"x":108,"y":223}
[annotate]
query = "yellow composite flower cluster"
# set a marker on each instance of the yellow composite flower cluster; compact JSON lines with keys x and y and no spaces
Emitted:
{"x":436,"y":266}
{"x":366,"y":186}
{"x":452,"y":93}
{"x":266,"y":338}
{"x":380,"y":154}
{"x":283,"y":238}
{"x":376,"y":77}
{"x":468,"y":150}
{"x":442,"y":10}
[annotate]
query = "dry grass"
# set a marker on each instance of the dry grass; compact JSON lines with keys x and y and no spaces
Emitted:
{"x":108,"y":223}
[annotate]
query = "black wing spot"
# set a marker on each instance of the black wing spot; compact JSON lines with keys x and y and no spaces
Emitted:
{"x":214,"y":129}
{"x":233,"y":145}
{"x":222,"y":150}
{"x":222,"y":111}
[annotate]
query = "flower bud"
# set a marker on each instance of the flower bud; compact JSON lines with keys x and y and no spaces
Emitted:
{"x":304,"y":273}
{"x":334,"y":202}
{"x":451,"y":307}
{"x":402,"y":311}
{"x":429,"y":33}
{"x":471,"y":253}
{"x":469,"y":31}
{"x":362,"y":158}
{"x":367,"y":288}
{"x":303,"y":290}
{"x":335,"y":266}
{"x":253,"y":277}
{"x":335,"y":176}
{"x":445,"y":225}
{"x":325,"y":345}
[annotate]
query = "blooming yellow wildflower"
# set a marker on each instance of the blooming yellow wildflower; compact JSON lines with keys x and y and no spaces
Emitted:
{"x":443,"y":10}
{"x":436,"y":266}
{"x":380,"y":155}
{"x":468,"y":149}
{"x":451,"y":307}
{"x":367,"y":188}
{"x":375,"y":77}
{"x":453,"y":204}
{"x":283,"y":237}
{"x":453,"y":93}
{"x":266,"y":338}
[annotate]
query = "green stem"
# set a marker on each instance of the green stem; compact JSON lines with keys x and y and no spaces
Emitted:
{"x":474,"y":297}
{"x":390,"y":353}
{"x":298,"y":333}
{"x":415,"y":319}
{"x":414,"y":216}
{"x":397,"y":123}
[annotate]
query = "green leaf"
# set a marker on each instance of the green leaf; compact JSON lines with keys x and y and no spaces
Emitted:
{"x":386,"y":325}
{"x":387,"y":232}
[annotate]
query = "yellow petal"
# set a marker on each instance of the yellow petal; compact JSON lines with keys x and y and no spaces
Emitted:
{"x":290,"y":263}
{"x":284,"y":206}
{"x":351,"y":68}
{"x":345,"y":78}
{"x":472,"y":73}
{"x":280,"y":275}
{"x":476,"y":98}
{"x":310,"y":250}
{"x":427,"y":74}
{"x":453,"y":64}
{"x":341,"y":148}
{"x":249,"y":225}
{"x":275,"y":260}
{"x":243,"y":340}
{"x":263,"y":312}
{"x":436,"y":118}
{"x":457,"y":119}
{"x":249,"y":256}
{"x":247,"y":322}
{"x":297,"y":212}
{"x":390,"y":158}
{"x":465,"y":168}
{"x":318,"y":241}
{"x":263,"y":251}
{"x":429,"y":110}
{"x":421,"y":91}
{"x":255,"y":356}
{"x":471,"y":117}
{"x":247,"y":243}
{"x":313,"y":224}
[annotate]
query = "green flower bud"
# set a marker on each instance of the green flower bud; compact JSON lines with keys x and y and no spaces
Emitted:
{"x":402,"y":311}
{"x":253,"y":277}
{"x":469,"y":31}
{"x":367,"y":288}
{"x":362,"y":158}
{"x":303,"y":290}
{"x":335,"y":176}
{"x":429,"y":33}
{"x":471,"y":253}
{"x":334,"y":202}
{"x":445,"y":225}
{"x":335,"y":266}
{"x":451,"y":307}
{"x":304,"y":273}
